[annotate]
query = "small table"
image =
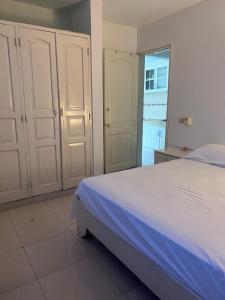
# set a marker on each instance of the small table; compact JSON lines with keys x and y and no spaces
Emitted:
{"x":168,"y":154}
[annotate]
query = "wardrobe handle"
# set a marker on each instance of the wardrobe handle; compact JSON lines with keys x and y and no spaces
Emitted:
{"x":55,"y":113}
{"x":61,"y":111}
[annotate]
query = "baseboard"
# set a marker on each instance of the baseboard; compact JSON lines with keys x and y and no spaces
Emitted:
{"x":36,"y":199}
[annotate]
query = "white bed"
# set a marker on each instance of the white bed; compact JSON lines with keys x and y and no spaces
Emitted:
{"x":173,"y":214}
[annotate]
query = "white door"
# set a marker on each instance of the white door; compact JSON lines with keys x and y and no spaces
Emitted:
{"x":41,"y":101}
{"x":13,"y":173}
{"x":75,"y":102}
{"x":121,"y":110}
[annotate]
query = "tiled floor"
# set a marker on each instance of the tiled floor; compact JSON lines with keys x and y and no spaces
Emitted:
{"x":41,"y":258}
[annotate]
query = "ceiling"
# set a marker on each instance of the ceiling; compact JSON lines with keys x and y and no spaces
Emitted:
{"x":53,"y":4}
{"x":135,"y":13}
{"x":138,"y":13}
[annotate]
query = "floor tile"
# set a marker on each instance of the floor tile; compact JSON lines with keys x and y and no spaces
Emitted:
{"x":82,"y":281}
{"x":30,"y":291}
{"x":65,"y":217}
{"x":40,"y":229}
{"x":61,"y":204}
{"x":120,"y":275}
{"x":9,"y":240}
{"x":91,"y":245}
{"x":141,"y":293}
{"x":55,"y":254}
{"x":15,"y":270}
{"x":28,"y":213}
{"x":3,"y":217}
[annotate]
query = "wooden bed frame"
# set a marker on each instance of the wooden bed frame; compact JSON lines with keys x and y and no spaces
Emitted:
{"x":155,"y":278}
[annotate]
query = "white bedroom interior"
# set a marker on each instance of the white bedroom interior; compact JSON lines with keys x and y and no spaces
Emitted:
{"x":93,"y":87}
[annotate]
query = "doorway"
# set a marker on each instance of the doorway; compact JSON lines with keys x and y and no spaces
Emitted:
{"x":155,"y":102}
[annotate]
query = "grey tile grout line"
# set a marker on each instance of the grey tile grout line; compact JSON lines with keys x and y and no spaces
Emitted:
{"x":66,"y":230}
{"x":122,"y":294}
{"x":23,"y":247}
{"x":56,"y":215}
{"x":92,"y":258}
{"x":24,"y":250}
{"x":17,"y":248}
{"x":71,"y":232}
{"x":42,"y":240}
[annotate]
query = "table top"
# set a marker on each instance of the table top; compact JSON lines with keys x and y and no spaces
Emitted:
{"x":175,"y":152}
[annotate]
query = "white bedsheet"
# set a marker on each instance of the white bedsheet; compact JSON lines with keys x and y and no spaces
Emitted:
{"x":174,"y":213}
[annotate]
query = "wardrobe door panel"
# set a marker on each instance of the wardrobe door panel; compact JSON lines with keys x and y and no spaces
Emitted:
{"x":75,"y":98}
{"x":13,"y":172}
{"x":41,"y":99}
{"x":75,"y":102}
{"x":47,"y":164}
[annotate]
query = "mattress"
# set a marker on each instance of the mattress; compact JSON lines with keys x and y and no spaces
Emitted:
{"x":173,"y":213}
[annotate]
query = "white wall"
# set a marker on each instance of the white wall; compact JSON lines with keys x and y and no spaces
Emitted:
{"x":80,"y":16}
{"x":197,"y":37}
{"x":31,"y":14}
{"x":97,"y":84}
{"x":119,"y":37}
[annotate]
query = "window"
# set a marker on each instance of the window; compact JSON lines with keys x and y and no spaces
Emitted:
{"x":162,"y":78}
{"x":156,"y":79}
{"x":150,"y":79}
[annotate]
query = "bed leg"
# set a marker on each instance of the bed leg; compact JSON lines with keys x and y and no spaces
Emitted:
{"x":82,"y":231}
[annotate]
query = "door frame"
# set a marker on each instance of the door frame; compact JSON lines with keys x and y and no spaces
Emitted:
{"x":141,"y":97}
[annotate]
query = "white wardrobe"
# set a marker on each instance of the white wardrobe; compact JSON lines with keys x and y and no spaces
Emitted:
{"x":45,"y":110}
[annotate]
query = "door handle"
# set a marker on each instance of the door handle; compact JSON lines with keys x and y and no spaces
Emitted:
{"x":61,"y":111}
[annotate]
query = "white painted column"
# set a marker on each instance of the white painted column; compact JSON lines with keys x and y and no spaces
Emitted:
{"x":97,"y":85}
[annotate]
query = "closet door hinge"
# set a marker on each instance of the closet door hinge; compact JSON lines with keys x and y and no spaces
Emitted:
{"x":29,"y":185}
{"x":17,"y":42}
{"x":23,"y":118}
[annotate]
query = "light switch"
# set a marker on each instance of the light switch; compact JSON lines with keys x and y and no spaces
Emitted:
{"x":186,"y":121}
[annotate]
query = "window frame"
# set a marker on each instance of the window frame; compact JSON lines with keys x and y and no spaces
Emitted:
{"x":155,"y":79}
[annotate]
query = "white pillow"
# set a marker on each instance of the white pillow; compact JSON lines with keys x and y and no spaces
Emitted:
{"x":210,"y":154}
